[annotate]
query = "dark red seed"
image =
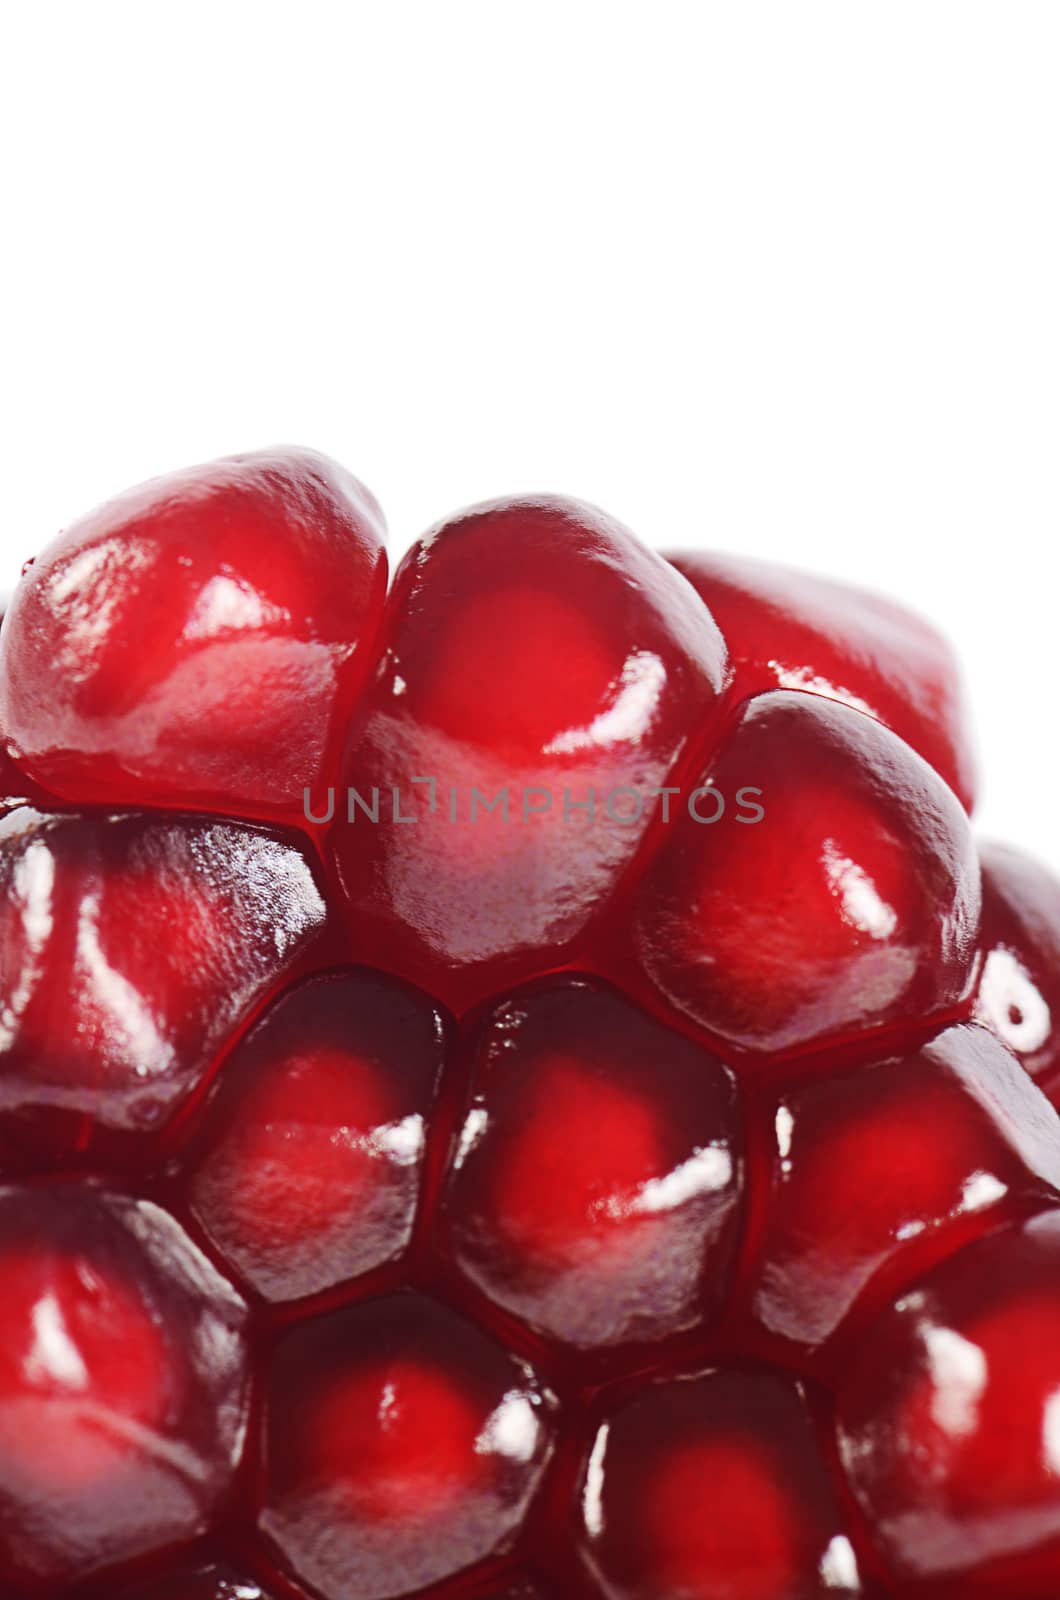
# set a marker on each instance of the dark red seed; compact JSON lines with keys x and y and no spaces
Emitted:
{"x":878,"y":1170}
{"x":132,"y":946}
{"x":123,"y":1383}
{"x":791,"y":630}
{"x":852,"y":903}
{"x":1019,"y":987}
{"x":596,"y":1185}
{"x":534,"y":648}
{"x":313,"y":1156}
{"x":200,"y":640}
{"x":401,"y":1446}
{"x":713,"y":1487}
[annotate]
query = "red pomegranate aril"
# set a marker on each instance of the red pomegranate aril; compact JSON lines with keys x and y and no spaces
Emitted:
{"x":130,"y":947}
{"x":879,"y":1170}
{"x":853,"y":902}
{"x":666,"y":1206}
{"x":1019,"y":987}
{"x":534,"y":648}
{"x":199,"y":641}
{"x":313,"y":1152}
{"x":791,"y":630}
{"x":122,"y":1383}
{"x":947,"y":1422}
{"x":596,"y":1187}
{"x":712,"y":1488}
{"x":402,"y":1445}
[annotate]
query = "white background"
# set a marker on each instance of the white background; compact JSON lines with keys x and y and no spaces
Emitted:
{"x":779,"y":278}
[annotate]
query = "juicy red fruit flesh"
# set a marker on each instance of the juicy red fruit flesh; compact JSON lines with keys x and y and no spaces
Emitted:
{"x":534,"y":647}
{"x":131,"y":947}
{"x":591,"y":1202}
{"x":313,"y":1155}
{"x":595,"y":1192}
{"x":854,"y":903}
{"x":948,"y":1426}
{"x":864,"y":1191}
{"x":788,"y":630}
{"x":1019,"y":986}
{"x":198,"y":641}
{"x":123,"y":1383}
{"x":401,"y":1446}
{"x":713,"y":1487}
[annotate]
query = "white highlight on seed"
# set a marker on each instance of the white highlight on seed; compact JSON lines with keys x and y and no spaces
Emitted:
{"x":229,"y":603}
{"x":839,"y":1566}
{"x":705,"y":1172}
{"x":125,"y":1007}
{"x":32,"y":889}
{"x":512,"y":1431}
{"x":593,"y":1496}
{"x":626,"y":722}
{"x":472,"y":1131}
{"x":1006,"y":986}
{"x":959,"y":1375}
{"x":981,"y":1190}
{"x":863,"y":907}
{"x":54,"y":1358}
{"x":401,"y":1141}
{"x":1051,"y":1432}
{"x":806,"y":679}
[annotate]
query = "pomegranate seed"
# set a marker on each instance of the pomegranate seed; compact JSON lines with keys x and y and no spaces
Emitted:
{"x":402,"y":1445}
{"x":853,"y":902}
{"x":1019,"y":990}
{"x":788,"y":630}
{"x":122,"y":1382}
{"x":714,"y":1487}
{"x":535,"y":649}
{"x":199,"y":641}
{"x":518,"y":1088}
{"x":947,"y":1420}
{"x":131,"y":947}
{"x":314,"y":1152}
{"x":595,"y":1190}
{"x":863,"y":1190}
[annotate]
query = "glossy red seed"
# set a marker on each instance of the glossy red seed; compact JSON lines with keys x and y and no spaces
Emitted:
{"x":948,"y":1422}
{"x":791,"y":630}
{"x":589,"y":1183}
{"x":313,"y":1154}
{"x":129,"y":949}
{"x":198,"y":641}
{"x":712,"y":1488}
{"x":878,"y":1170}
{"x":402,"y":1445}
{"x":1019,"y":989}
{"x":534,"y":648}
{"x":122,"y":1382}
{"x":852,"y":903}
{"x":596,"y":1185}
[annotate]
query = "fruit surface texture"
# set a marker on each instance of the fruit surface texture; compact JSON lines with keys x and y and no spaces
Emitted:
{"x":521,"y":1083}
